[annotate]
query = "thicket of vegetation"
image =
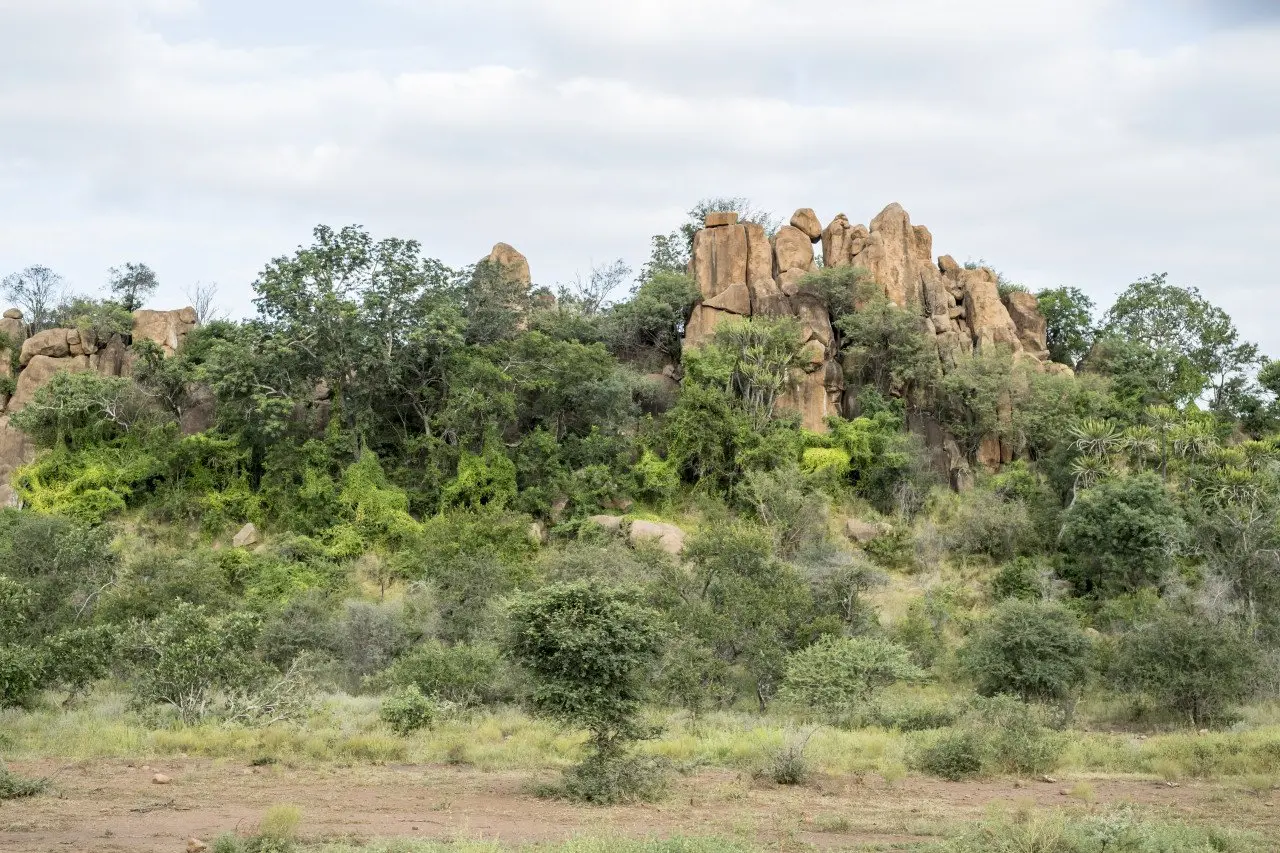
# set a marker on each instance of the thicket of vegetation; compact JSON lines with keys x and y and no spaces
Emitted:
{"x":423,"y":448}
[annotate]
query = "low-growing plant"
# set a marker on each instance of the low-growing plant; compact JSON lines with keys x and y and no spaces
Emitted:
{"x":13,"y":786}
{"x":407,"y":710}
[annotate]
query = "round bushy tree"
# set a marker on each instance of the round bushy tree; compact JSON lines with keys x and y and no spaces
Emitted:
{"x":1121,"y":535}
{"x":1035,"y":650}
{"x":837,"y":675}
{"x":588,"y":649}
{"x":1190,"y":663}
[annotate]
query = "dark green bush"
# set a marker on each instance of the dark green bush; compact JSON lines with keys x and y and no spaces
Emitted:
{"x":407,"y":710}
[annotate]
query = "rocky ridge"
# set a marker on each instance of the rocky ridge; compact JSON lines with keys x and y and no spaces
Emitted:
{"x":740,"y":271}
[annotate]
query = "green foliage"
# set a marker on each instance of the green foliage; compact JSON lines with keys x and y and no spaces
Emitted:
{"x":997,"y":735}
{"x":464,"y":673}
{"x":652,"y":319}
{"x":484,"y":480}
{"x":407,"y":710}
{"x":1035,"y":650}
{"x":757,"y":361}
{"x":1068,"y":315}
{"x":588,"y":650}
{"x":132,"y":284}
{"x":1121,"y":535}
{"x":15,"y":787}
{"x":1023,"y":578}
{"x":77,"y":410}
{"x":838,"y":676}
{"x":182,"y":658}
{"x":1188,"y":662}
{"x":885,"y":346}
{"x":887,"y":465}
{"x":656,"y":480}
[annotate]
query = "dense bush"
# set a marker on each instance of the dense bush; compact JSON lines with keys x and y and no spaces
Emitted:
{"x":837,"y":676}
{"x":1034,"y":650}
{"x":406,"y":710}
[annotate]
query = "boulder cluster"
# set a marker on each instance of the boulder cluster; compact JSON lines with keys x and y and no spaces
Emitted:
{"x":741,"y":271}
{"x":42,"y":354}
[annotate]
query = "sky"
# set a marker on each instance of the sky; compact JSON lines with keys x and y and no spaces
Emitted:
{"x":1065,"y":142}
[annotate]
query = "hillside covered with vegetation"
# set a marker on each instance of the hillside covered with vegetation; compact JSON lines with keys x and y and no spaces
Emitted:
{"x":450,"y":477}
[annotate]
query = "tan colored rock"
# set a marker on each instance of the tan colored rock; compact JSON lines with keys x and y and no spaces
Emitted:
{"x":988,"y":318}
{"x":12,"y":314}
{"x":815,"y":322}
{"x":948,"y":267}
{"x":247,"y":536}
{"x":513,"y":264}
{"x":792,"y":250}
{"x":538,"y":533}
{"x":195,"y":845}
{"x":766,"y":295}
{"x":1024,"y":310}
{"x":719,"y":259}
{"x":13,"y":328}
{"x":612,"y":523}
{"x":112,"y":359}
{"x":54,"y":343}
{"x":160,"y":779}
{"x":1053,"y":368}
{"x":667,"y":536}
{"x":899,"y":256}
{"x":16,"y":450}
{"x":810,"y":400}
{"x":720,"y":219}
{"x":736,"y":299}
{"x":989,"y":453}
{"x":167,"y":328}
{"x":789,"y":281}
{"x":702,"y":324}
{"x":39,"y":370}
{"x":807,"y":221}
{"x":812,"y":355}
{"x":836,"y":240}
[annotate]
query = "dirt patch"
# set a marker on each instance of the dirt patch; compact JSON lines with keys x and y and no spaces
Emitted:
{"x":115,"y":806}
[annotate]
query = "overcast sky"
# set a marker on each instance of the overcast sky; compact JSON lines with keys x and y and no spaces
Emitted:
{"x":1083,"y":142}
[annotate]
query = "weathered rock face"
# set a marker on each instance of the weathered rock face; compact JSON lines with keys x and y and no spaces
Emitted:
{"x":514,"y":265}
{"x":960,"y":307}
{"x":1024,"y":310}
{"x":38,"y":371}
{"x":15,"y":450}
{"x":167,"y":328}
{"x":668,"y":537}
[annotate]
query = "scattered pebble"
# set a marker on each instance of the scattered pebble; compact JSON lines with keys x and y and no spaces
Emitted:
{"x":160,"y":779}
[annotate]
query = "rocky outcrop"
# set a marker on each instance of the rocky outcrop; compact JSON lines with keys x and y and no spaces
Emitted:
{"x":167,"y":328}
{"x":668,"y":537}
{"x":46,"y":353}
{"x":514,"y":265}
{"x":741,"y":272}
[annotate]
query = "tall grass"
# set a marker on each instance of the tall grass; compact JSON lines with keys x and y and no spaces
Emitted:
{"x":346,"y":730}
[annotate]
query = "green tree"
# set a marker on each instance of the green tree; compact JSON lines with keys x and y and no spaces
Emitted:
{"x":1189,"y":663}
{"x":1069,"y":329}
{"x":1035,"y":650}
{"x":132,"y":284}
{"x":38,"y":291}
{"x":838,"y":676}
{"x":885,"y":345}
{"x":1121,"y":535}
{"x":588,"y":650}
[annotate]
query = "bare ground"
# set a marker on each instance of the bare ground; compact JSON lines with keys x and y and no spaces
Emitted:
{"x":114,"y":806}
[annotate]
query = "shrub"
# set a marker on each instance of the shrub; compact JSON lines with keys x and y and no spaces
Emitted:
{"x":589,"y":650}
{"x":407,"y":710}
{"x":464,"y":673}
{"x":788,"y":764}
{"x":1033,"y":649}
{"x":607,"y":780}
{"x":13,"y":786}
{"x":837,"y":676}
{"x":997,"y":735}
{"x":1121,"y":535}
{"x":1024,"y":578}
{"x":1194,"y":665}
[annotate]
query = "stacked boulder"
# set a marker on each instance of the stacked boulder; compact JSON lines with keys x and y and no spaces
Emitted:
{"x":44,"y":354}
{"x":741,"y":272}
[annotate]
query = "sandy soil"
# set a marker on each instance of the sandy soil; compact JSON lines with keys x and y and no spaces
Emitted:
{"x":115,"y":806}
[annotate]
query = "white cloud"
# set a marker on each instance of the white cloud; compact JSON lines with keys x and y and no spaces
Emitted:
{"x":1047,"y":138}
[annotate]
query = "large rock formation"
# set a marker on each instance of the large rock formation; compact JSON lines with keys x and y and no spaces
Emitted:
{"x":46,"y":353}
{"x":513,"y":264}
{"x":166,"y":328}
{"x":740,"y":274}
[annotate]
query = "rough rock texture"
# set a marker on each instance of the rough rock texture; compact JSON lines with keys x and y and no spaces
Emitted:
{"x":514,"y":264}
{"x":201,"y":410}
{"x":807,"y":221}
{"x":54,"y":343}
{"x":717,"y":218}
{"x":167,"y":328}
{"x":667,"y":536}
{"x":961,"y":308}
{"x":247,"y":536}
{"x":608,"y":522}
{"x":113,"y":358}
{"x":15,"y":450}
{"x":38,"y":371}
{"x":1024,"y":310}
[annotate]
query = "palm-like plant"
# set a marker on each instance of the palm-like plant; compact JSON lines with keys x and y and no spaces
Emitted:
{"x":1142,"y":443}
{"x":1193,"y":440}
{"x":1096,"y":438}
